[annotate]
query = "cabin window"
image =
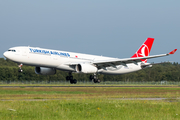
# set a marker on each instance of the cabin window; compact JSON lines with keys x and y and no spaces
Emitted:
{"x":12,"y":50}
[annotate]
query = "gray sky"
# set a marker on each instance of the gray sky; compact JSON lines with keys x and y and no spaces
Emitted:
{"x":113,"y":28}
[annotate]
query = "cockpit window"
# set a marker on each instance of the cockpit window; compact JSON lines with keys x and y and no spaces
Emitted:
{"x":12,"y":50}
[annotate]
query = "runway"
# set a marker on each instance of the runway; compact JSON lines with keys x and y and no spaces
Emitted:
{"x":91,"y":86}
{"x":157,"y":99}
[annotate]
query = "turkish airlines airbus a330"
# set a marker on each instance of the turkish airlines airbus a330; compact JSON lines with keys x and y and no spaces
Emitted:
{"x":47,"y":61}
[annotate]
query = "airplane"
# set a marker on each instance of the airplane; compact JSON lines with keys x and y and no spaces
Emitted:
{"x":47,"y":61}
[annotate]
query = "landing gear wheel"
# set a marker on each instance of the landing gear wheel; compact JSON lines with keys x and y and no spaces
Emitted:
{"x":20,"y":70}
{"x":70,"y":77}
{"x":73,"y":81}
{"x":94,"y":78}
{"x":67,"y":78}
{"x":98,"y":80}
{"x":91,"y":77}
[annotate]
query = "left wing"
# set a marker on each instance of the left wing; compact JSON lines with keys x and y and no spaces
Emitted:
{"x":113,"y":63}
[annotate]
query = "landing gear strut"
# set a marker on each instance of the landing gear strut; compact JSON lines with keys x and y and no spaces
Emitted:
{"x":20,"y":69}
{"x":94,"y":78}
{"x":70,"y":78}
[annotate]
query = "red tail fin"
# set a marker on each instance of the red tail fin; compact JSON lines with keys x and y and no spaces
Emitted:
{"x":144,"y":50}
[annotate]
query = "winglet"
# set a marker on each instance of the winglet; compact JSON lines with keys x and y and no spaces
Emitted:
{"x":172,"y":52}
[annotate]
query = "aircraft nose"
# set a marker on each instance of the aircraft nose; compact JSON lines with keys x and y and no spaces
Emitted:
{"x":5,"y":54}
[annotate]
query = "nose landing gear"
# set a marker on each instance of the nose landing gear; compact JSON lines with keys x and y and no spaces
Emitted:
{"x":20,"y":69}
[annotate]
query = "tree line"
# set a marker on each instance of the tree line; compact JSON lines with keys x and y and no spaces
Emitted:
{"x":159,"y":72}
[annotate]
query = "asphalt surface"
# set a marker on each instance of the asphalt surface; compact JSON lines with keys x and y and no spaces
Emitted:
{"x":90,"y":86}
{"x":68,"y":98}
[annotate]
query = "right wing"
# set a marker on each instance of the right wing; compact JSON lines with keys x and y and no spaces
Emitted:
{"x":107,"y":63}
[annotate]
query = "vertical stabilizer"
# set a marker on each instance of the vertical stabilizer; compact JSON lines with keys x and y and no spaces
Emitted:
{"x":144,"y":50}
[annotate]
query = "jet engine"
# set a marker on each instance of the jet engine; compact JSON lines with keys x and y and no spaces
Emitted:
{"x":45,"y":71}
{"x":86,"y":68}
{"x":145,"y":65}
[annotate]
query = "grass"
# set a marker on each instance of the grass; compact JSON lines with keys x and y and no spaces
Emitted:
{"x":87,"y":92}
{"x":91,"y":103}
{"x":90,"y":109}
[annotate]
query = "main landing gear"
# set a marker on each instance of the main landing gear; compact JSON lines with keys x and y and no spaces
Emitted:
{"x":94,"y":78}
{"x":20,"y":69}
{"x":70,"y":78}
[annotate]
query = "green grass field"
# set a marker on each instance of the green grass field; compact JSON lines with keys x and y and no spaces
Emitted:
{"x":92,"y":103}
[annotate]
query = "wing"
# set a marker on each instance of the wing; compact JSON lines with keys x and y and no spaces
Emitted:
{"x":124,"y":62}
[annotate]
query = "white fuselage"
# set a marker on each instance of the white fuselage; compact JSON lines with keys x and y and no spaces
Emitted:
{"x":61,"y":60}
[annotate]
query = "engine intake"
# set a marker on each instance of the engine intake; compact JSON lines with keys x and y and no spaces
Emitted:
{"x":86,"y":68}
{"x":45,"y":71}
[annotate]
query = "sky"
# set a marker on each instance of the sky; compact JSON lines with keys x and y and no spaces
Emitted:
{"x":113,"y":28}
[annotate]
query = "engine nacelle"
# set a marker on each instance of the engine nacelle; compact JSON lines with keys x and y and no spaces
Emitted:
{"x":45,"y":71}
{"x":146,"y":65}
{"x":86,"y":68}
